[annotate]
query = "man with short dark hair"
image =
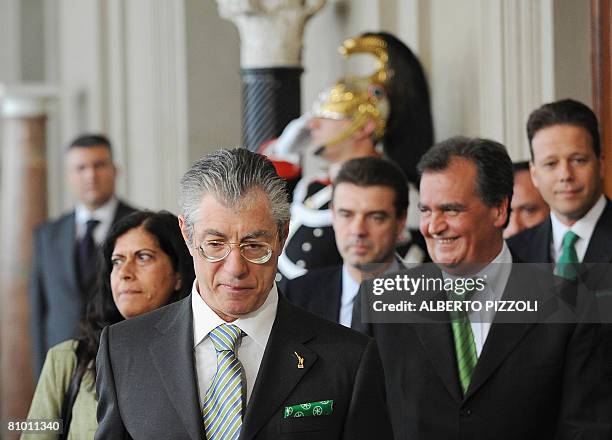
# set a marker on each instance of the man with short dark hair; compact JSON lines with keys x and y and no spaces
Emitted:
{"x":235,"y":359}
{"x":567,"y":168}
{"x":527,"y":208}
{"x":369,"y":206}
{"x":65,"y":250}
{"x":386,"y":113}
{"x":486,"y":373}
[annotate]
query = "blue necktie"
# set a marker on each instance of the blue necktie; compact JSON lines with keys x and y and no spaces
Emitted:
{"x":87,"y":257}
{"x":222,"y":408}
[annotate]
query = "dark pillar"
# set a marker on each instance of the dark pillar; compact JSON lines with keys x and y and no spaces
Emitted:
{"x":271,"y":99}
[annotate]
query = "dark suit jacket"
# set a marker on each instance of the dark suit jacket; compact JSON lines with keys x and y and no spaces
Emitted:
{"x":533,"y":245}
{"x":532,"y":380}
{"x":57,"y":302}
{"x":147,"y":388}
{"x":594,"y":274}
{"x":319,"y":292}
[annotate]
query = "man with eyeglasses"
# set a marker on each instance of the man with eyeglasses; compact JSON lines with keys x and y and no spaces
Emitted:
{"x":235,"y":360}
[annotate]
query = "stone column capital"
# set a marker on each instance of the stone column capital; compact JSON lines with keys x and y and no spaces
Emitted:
{"x":25,"y":100}
{"x":270,"y":30}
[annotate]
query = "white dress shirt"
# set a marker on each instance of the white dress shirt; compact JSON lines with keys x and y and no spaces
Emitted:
{"x":104,"y":214}
{"x":583,"y":228}
{"x":257,"y":325}
{"x":350,"y":289}
{"x":496,"y":275}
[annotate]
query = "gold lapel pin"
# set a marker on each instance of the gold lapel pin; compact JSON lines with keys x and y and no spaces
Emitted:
{"x":300,"y":359}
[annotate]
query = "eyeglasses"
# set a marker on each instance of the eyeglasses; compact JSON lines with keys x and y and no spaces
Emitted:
{"x":257,"y":252}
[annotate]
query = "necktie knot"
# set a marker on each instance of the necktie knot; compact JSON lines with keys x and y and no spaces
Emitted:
{"x":225,"y":337}
{"x":566,"y":265}
{"x":90,"y":225}
{"x":569,"y":239}
{"x":466,"y":290}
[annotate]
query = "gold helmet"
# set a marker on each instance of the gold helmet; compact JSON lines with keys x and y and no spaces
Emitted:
{"x":395,"y":96}
{"x":357,"y":100}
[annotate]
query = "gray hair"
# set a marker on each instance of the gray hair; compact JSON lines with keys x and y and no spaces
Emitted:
{"x":228,"y":175}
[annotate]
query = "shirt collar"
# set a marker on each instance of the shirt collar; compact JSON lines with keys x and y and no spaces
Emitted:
{"x":104,"y":213}
{"x":584,"y":227}
{"x":396,"y":265}
{"x":257,"y":324}
{"x":495,"y":274}
{"x":350,"y":287}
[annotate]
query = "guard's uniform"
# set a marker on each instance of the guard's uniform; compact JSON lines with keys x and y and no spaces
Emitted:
{"x":395,"y":99}
{"x":311,"y":242}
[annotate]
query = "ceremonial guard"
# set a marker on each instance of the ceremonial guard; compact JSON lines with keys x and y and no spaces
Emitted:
{"x":387,"y":113}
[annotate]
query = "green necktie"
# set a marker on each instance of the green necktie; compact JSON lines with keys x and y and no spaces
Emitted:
{"x":566,"y":265}
{"x":465,"y":347}
{"x":222,"y":409}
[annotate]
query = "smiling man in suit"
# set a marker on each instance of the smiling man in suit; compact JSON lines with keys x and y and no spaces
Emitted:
{"x":235,"y":359}
{"x":567,"y":168}
{"x":64,"y":254}
{"x":488,"y":375}
{"x":369,"y":206}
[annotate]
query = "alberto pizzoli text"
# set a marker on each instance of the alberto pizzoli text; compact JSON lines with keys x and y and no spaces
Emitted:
{"x":456,"y":306}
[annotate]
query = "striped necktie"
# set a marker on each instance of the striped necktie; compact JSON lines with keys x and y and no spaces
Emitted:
{"x":465,"y":346}
{"x":566,"y":266}
{"x":222,"y":409}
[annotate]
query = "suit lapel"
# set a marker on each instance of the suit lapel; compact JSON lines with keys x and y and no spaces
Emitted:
{"x":172,"y":354}
{"x":501,"y":341}
{"x":65,"y":250}
{"x":542,"y":239}
{"x":600,"y":245}
{"x":336,"y":281}
{"x":437,"y":340}
{"x":278,"y":373}
{"x":329,"y":294}
{"x":502,"y":338}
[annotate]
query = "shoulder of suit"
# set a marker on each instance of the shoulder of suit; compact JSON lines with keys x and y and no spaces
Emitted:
{"x":605,"y":220}
{"x":147,"y":321}
{"x":309,"y":282}
{"x":313,"y":275}
{"x":55,"y":223}
{"x":123,"y":205}
{"x":326,"y":330}
{"x":525,"y":238}
{"x":123,"y":209}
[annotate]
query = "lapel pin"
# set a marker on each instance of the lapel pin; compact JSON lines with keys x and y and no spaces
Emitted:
{"x":300,"y":359}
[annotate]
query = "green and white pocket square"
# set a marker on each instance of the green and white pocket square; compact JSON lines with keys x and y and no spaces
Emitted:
{"x":320,"y":408}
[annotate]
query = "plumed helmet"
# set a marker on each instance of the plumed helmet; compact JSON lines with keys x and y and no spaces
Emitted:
{"x":403,"y":98}
{"x":356,"y":99}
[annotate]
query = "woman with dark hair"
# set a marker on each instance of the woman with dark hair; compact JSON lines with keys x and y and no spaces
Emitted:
{"x":145,"y":265}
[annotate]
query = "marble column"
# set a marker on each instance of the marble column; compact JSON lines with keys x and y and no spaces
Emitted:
{"x":23,"y":196}
{"x":271,"y":33}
